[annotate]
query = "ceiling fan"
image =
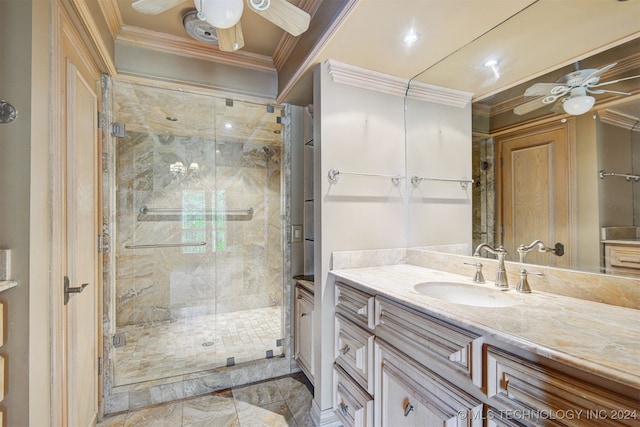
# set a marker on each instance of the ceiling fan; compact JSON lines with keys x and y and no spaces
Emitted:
{"x":570,"y":91}
{"x":224,"y":16}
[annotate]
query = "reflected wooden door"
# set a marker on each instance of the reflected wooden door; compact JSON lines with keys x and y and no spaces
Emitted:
{"x":534,"y":191}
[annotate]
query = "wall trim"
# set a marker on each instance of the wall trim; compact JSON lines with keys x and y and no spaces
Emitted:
{"x":397,"y":86}
{"x":618,"y":119}
{"x":288,"y":42}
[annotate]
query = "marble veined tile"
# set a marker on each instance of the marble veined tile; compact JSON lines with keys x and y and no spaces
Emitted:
{"x":258,"y":394}
{"x":169,"y":415}
{"x":214,"y":409}
{"x":272,"y":415}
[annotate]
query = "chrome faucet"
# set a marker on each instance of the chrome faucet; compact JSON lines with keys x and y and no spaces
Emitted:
{"x":523,"y":249}
{"x":501,"y":275}
{"x":523,"y":283}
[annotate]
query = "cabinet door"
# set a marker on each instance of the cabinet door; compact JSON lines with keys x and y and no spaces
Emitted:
{"x":304,"y":331}
{"x":408,"y":394}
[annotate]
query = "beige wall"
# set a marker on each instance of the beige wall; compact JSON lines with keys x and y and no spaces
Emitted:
{"x":24,"y":210}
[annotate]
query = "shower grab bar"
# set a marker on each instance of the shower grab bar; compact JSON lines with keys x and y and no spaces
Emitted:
{"x":415,"y":180}
{"x":334,"y":176}
{"x":603,"y":174}
{"x":165,"y":245}
{"x":146,"y":210}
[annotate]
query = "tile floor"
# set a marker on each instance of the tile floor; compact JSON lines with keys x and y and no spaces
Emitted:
{"x":284,"y":401}
{"x":193,"y":344}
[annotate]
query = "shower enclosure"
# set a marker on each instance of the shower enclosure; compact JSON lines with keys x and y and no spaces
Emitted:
{"x":197,"y":274}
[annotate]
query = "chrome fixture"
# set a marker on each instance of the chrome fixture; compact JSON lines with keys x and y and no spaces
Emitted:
{"x":523,"y":283}
{"x":628,"y":177}
{"x":501,"y":275}
{"x":478,"y":277}
{"x":557,"y":250}
{"x":464,"y":182}
{"x":8,"y":113}
{"x":334,"y":176}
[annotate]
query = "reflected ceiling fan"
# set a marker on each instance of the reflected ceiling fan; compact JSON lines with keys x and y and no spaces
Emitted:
{"x":571,"y":91}
{"x":224,"y":16}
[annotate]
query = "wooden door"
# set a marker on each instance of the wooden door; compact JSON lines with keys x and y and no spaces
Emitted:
{"x":534,"y":189}
{"x":82,"y":260}
{"x":75,"y":207}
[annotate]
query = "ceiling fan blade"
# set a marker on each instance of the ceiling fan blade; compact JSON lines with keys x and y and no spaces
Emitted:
{"x":601,"y":91}
{"x":530,"y":106}
{"x":290,"y":18}
{"x":610,"y":82}
{"x":597,"y":73}
{"x":540,"y":89}
{"x":154,"y":7}
{"x":230,"y":39}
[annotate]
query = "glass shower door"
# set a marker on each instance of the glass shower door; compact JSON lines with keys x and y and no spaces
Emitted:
{"x":198,"y":208}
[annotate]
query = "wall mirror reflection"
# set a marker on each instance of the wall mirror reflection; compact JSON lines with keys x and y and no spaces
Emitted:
{"x":563,"y":185}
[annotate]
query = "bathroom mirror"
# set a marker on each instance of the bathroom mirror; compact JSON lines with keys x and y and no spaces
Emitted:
{"x":607,"y":138}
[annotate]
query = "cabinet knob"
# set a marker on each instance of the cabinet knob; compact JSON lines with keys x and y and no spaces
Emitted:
{"x":407,"y":406}
{"x":344,"y":409}
{"x":345,"y":349}
{"x":304,"y":314}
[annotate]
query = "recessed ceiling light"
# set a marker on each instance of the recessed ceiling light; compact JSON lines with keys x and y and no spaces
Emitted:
{"x":228,"y":125}
{"x":411,"y":37}
{"x":493,"y":65}
{"x":490,"y":63}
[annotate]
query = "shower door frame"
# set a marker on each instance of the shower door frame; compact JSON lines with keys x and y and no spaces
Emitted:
{"x":124,"y":397}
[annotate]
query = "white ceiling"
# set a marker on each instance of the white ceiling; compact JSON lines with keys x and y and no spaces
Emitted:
{"x":528,"y":38}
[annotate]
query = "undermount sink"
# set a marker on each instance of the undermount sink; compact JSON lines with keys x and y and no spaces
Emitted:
{"x":463,"y":293}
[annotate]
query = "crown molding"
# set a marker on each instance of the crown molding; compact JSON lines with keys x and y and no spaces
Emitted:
{"x":366,"y":79}
{"x":111,"y":13}
{"x":620,"y":120}
{"x":397,"y":86}
{"x":288,"y":42}
{"x":182,"y":46}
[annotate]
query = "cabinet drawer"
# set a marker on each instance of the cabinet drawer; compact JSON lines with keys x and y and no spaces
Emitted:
{"x":624,"y":256}
{"x":408,"y":394}
{"x":355,"y":304}
{"x":550,"y":397}
{"x":303,"y":331}
{"x":426,"y":338}
{"x":354,"y":351}
{"x":352,"y":405}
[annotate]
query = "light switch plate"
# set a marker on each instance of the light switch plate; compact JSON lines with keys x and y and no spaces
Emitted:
{"x":296,"y":233}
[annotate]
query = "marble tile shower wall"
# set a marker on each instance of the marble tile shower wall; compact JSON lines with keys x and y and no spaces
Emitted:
{"x":239,"y":268}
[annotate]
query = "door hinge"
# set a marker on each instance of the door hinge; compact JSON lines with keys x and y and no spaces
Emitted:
{"x":99,"y":120}
{"x":99,"y":365}
{"x":118,"y":130}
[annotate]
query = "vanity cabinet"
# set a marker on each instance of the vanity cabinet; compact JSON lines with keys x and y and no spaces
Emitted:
{"x":622,"y":258}
{"x":303,"y":329}
{"x":353,"y":349}
{"x":396,"y":365}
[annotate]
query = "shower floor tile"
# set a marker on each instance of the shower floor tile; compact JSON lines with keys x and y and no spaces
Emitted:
{"x":187,"y":345}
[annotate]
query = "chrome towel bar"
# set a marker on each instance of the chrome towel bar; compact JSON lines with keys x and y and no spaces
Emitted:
{"x":415,"y":180}
{"x":146,"y":210}
{"x":334,"y":176}
{"x":628,"y":177}
{"x":166,"y":245}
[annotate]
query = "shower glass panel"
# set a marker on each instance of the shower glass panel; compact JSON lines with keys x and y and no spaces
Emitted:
{"x":199,"y":249}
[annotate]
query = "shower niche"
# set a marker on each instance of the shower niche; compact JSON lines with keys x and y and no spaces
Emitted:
{"x":194,"y":208}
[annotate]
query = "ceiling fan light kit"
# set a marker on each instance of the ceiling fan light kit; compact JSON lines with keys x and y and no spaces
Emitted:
{"x":220,"y":13}
{"x":578,"y":104}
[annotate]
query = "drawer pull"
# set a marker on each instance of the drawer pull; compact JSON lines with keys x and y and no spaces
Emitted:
{"x":344,"y":409}
{"x":407,"y":406}
{"x":304,"y":314}
{"x":346,"y":349}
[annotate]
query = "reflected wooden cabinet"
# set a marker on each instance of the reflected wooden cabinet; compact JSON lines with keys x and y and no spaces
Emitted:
{"x":622,"y":258}
{"x":303,"y":330}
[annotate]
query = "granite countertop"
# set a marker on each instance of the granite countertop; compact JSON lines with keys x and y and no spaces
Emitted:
{"x":594,"y":337}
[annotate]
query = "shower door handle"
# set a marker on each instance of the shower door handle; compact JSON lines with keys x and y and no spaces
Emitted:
{"x":69,"y":290}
